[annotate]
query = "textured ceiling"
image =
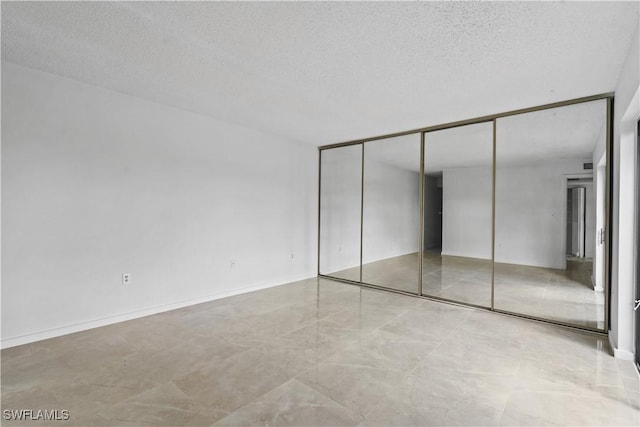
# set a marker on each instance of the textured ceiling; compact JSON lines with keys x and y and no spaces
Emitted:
{"x":325,"y":72}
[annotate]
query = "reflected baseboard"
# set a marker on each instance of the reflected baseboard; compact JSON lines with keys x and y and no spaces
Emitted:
{"x":464,"y":255}
{"x":596,"y":288}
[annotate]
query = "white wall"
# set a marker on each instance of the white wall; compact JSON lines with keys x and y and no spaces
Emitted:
{"x":96,"y":184}
{"x":466,"y":212}
{"x":390,"y":216}
{"x":626,"y":114}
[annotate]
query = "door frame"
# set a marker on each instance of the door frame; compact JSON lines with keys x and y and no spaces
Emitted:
{"x":636,"y":311}
{"x":566,"y":185}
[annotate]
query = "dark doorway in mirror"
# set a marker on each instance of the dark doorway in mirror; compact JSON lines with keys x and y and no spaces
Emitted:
{"x":433,"y":213}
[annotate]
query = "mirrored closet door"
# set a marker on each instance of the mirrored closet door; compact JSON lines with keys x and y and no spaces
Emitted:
{"x":550,"y":214}
{"x":340,"y":203}
{"x":506,"y":212}
{"x":390,"y":240}
{"x":458,"y":186}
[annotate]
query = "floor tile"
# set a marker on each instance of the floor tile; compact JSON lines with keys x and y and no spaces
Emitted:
{"x":292,"y":404}
{"x":356,"y":387}
{"x":319,"y":352}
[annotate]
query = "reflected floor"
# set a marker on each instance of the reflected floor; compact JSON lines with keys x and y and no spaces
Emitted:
{"x":319,"y":352}
{"x":560,"y":295}
{"x":399,"y":273}
{"x":563,"y":295}
{"x":461,"y":279}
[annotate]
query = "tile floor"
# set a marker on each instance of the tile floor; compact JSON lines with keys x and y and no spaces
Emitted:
{"x":323,"y":353}
{"x":559,"y":295}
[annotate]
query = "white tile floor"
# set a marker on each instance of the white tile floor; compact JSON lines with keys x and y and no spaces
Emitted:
{"x":318,"y":352}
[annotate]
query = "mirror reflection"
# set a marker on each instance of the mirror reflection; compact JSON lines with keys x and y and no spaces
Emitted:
{"x":391,"y":214}
{"x":550,"y":204}
{"x":545,"y":257}
{"x":458,"y":185}
{"x":340,"y":200}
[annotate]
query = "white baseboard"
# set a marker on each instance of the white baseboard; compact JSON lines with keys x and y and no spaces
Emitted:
{"x":619,"y":353}
{"x":83,"y":326}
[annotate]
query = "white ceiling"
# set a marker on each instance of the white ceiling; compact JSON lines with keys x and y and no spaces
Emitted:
{"x":325,"y":72}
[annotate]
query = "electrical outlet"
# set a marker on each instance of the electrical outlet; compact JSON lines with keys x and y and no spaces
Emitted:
{"x":126,"y":278}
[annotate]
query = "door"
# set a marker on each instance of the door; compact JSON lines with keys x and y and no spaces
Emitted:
{"x":575,"y":221}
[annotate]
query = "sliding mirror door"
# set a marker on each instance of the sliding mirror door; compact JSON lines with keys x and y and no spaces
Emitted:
{"x":390,"y":239}
{"x":458,"y":186}
{"x":340,"y":207}
{"x":550,"y":214}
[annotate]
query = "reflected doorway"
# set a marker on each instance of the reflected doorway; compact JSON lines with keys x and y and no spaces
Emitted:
{"x":576,"y":217}
{"x":581,"y":230}
{"x":433,"y":213}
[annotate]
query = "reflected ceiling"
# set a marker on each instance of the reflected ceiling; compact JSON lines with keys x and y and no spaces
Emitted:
{"x":326,"y":72}
{"x":560,"y":133}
